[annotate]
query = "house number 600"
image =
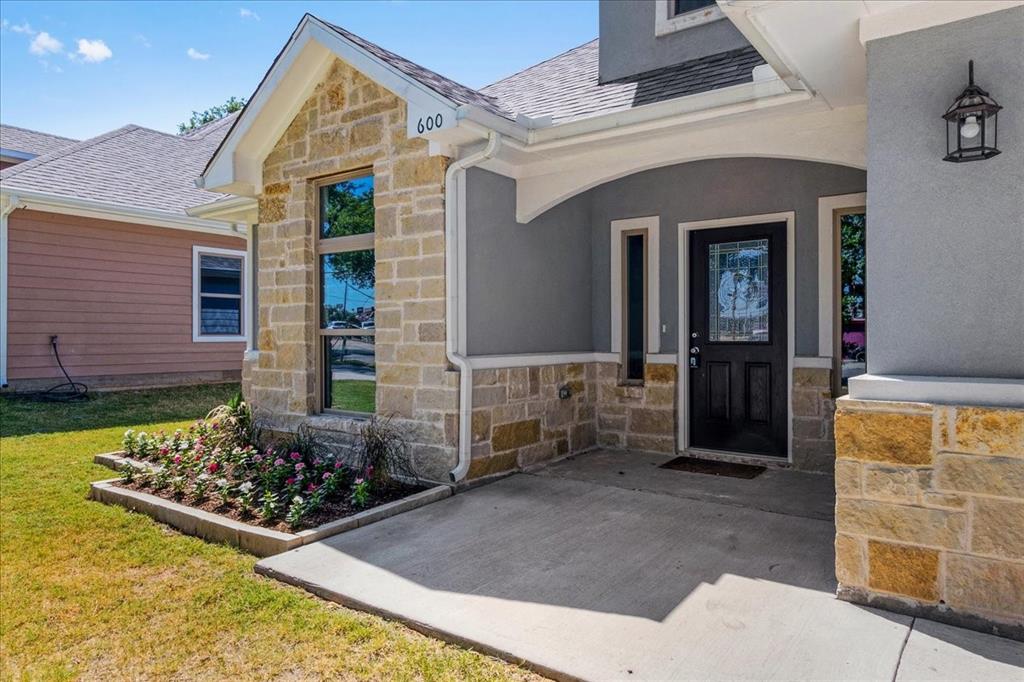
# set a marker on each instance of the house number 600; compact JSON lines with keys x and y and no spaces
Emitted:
{"x":429,"y":123}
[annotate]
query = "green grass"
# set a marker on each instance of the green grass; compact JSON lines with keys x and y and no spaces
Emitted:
{"x":94,"y":591}
{"x":353,"y":395}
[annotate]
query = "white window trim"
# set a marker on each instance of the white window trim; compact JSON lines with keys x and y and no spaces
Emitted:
{"x":650,"y":224}
{"x":665,"y":23}
{"x":827,"y":264}
{"x":197,"y":251}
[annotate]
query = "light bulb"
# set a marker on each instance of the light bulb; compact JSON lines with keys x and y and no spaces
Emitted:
{"x":970,"y":128}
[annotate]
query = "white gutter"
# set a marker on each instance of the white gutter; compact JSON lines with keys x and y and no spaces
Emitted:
{"x":8,"y":202}
{"x":455,"y":282}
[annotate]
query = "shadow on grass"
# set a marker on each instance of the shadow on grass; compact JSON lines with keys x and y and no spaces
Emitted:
{"x":20,"y":416}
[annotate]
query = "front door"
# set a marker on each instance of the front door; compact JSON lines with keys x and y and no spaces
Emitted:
{"x":737,"y":344}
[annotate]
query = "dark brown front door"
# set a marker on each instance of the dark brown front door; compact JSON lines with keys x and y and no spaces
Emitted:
{"x":737,"y":345}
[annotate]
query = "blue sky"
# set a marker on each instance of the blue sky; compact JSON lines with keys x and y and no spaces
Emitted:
{"x":82,"y":68}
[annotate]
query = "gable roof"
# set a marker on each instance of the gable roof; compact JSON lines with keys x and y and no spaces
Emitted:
{"x":446,"y":87}
{"x":34,"y":142}
{"x":567,"y":88}
{"x":131,"y":167}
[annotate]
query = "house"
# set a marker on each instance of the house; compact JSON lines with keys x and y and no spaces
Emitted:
{"x":657,"y":241}
{"x":103,"y":265}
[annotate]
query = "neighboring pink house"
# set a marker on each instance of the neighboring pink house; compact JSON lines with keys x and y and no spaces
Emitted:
{"x":102,"y":250}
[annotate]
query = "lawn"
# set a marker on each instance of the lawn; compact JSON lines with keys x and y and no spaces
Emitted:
{"x":93,"y":591}
{"x":353,"y":395}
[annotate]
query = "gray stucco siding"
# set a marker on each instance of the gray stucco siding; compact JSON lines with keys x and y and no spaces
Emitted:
{"x":528,"y":285}
{"x":628,"y":45}
{"x":945,"y":290}
{"x":545,"y":286}
{"x":706,"y":190}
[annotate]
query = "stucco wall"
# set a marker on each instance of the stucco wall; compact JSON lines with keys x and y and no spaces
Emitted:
{"x":118,"y":296}
{"x":530,"y":284}
{"x":628,"y":45}
{"x":527,"y":293}
{"x":946,"y":240}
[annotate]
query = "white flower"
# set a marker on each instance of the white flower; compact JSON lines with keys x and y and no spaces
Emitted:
{"x":245,"y":487}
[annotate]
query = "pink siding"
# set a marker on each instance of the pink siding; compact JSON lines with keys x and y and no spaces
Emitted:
{"x":118,"y":295}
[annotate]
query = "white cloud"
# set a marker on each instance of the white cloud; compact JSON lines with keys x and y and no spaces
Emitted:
{"x":44,"y":43}
{"x":193,"y":53}
{"x":48,"y":67}
{"x":142,"y":40}
{"x":93,"y":50}
{"x":248,"y":14}
{"x":23,"y":28}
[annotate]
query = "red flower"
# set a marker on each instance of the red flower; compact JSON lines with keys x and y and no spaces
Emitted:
{"x":213,"y":467}
{"x":290,"y":481}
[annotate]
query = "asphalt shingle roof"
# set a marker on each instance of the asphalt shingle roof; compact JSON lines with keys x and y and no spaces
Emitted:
{"x":132,"y":166}
{"x":566,"y":87}
{"x":456,"y":92}
{"x":31,"y":141}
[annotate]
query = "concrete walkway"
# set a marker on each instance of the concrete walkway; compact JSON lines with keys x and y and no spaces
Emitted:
{"x":606,"y":567}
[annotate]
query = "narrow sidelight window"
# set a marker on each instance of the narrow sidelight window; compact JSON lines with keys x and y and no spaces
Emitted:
{"x":218,"y":294}
{"x":635,"y":296}
{"x":851,"y":233}
{"x":347,"y":294}
{"x":686,"y":6}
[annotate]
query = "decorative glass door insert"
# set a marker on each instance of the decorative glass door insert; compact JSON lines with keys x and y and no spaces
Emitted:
{"x":738,"y":305}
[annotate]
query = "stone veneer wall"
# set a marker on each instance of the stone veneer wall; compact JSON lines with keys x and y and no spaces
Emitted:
{"x":519,"y":420}
{"x":930,"y":511}
{"x":813,"y":412}
{"x":351,"y":123}
{"x":637,"y":417}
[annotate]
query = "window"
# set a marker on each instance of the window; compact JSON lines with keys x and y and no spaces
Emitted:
{"x":635,"y":295}
{"x":685,"y":6}
{"x":851,"y":313}
{"x":738,"y":289}
{"x":675,"y":15}
{"x":635,"y":315}
{"x":218,"y":294}
{"x":347,"y":298}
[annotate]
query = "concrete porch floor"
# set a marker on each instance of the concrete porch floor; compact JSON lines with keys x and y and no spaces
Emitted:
{"x":607,"y":567}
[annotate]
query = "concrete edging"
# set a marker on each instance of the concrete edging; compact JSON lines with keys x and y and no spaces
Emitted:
{"x":254,"y":539}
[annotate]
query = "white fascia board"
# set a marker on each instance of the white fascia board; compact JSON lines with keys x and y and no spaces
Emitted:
{"x":888,"y":19}
{"x":739,"y":12}
{"x":139,"y":216}
{"x":237,"y":209}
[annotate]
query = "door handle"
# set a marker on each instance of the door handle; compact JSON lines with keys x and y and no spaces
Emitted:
{"x":694,"y":357}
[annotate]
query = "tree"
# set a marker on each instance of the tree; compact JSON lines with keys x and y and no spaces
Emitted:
{"x":201,"y":118}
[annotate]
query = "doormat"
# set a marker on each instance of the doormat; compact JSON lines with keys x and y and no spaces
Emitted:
{"x":715,"y":468}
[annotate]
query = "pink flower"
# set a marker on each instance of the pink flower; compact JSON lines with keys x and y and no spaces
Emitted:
{"x":359,"y":481}
{"x":213,"y":467}
{"x":278,"y":462}
{"x":299,"y":466}
{"x":317,"y":462}
{"x":257,"y":459}
{"x":177,"y":459}
{"x":290,"y":481}
{"x":311,"y":488}
{"x":327,"y":475}
{"x":337,"y":465}
{"x":295,"y":456}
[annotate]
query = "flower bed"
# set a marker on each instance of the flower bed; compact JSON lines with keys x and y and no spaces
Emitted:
{"x":224,"y":465}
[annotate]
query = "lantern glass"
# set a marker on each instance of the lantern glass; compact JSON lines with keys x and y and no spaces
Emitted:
{"x":972,"y":124}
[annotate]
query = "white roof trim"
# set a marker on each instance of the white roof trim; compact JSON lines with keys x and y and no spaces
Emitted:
{"x":889,"y":19}
{"x":139,"y":216}
{"x":231,"y":209}
{"x":302,"y":64}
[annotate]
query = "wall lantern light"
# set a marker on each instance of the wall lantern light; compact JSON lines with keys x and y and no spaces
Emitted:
{"x":971,"y":123}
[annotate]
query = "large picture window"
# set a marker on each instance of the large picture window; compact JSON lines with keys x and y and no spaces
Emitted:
{"x":347,"y":297}
{"x":218,"y":294}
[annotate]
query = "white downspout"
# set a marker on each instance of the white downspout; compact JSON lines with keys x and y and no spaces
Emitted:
{"x":454,"y":236}
{"x":8,"y":202}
